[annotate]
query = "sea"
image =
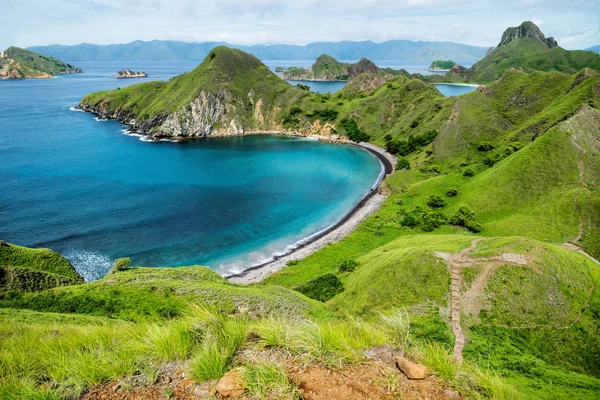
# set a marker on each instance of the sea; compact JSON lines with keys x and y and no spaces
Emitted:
{"x":90,"y":190}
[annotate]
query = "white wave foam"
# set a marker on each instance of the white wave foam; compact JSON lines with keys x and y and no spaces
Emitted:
{"x":89,"y":264}
{"x":75,"y":109}
{"x":100,"y":119}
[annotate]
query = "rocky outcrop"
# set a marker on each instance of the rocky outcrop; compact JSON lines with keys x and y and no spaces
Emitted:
{"x":127,"y":74}
{"x":366,"y":83}
{"x":526,"y":30}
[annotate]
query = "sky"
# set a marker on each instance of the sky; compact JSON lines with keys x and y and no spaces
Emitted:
{"x":574,"y":23}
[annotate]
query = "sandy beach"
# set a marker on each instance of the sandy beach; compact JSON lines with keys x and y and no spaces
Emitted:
{"x":369,"y":204}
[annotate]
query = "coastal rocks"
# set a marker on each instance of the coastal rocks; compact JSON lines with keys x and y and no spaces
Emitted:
{"x":412,"y":370}
{"x":232,"y":384}
{"x":127,"y":74}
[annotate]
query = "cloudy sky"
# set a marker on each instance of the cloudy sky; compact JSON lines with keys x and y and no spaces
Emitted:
{"x":574,"y":23}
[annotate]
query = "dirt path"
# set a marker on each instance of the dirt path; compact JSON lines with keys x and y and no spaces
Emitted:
{"x":456,"y":281}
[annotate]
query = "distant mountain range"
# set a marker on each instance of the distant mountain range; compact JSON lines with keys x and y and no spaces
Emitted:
{"x":158,"y":50}
{"x":595,"y":48}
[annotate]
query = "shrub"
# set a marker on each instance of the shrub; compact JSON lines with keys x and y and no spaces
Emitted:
{"x":303,"y":87}
{"x":466,"y":217}
{"x":469,"y":172}
{"x":513,"y":147}
{"x":432,"y":219}
{"x":452,"y":192}
{"x":435,"y":201}
{"x":323,"y":288}
{"x":354,"y":132}
{"x":434,"y":168}
{"x":348,"y":266}
{"x":121,"y":263}
{"x":295,"y":110}
{"x":388,"y":138}
{"x":402,"y":164}
{"x":292,"y":263}
{"x":414,"y":124}
{"x":485,"y":146}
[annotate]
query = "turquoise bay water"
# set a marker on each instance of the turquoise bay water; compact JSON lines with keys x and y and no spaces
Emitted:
{"x":454,"y":90}
{"x":84,"y":188}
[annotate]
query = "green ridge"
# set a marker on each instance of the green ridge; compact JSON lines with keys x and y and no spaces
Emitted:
{"x":20,"y":64}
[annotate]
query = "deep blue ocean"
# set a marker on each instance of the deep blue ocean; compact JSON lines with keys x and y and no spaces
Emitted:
{"x":84,"y":188}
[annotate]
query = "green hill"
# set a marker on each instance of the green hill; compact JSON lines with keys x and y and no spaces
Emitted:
{"x":16,"y":63}
{"x":233,"y":91}
{"x":25,"y":269}
{"x":327,"y":68}
{"x":527,"y":48}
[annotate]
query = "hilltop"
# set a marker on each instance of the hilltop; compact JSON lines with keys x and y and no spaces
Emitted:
{"x":16,"y":63}
{"x":327,"y":68}
{"x":158,"y":50}
{"x":527,"y":48}
{"x":441,"y":65}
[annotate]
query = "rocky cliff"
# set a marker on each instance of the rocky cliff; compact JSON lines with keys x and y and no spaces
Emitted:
{"x":127,"y":73}
{"x":526,"y":30}
{"x":16,"y":63}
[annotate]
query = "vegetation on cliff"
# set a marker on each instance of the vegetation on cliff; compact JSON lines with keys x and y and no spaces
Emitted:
{"x":16,"y":63}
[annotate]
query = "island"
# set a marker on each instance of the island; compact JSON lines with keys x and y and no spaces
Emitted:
{"x":17,"y":63}
{"x":128,"y":74}
{"x":441,"y":66}
{"x":327,"y":68}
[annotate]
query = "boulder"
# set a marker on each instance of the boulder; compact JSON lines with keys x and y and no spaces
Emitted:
{"x":232,"y":384}
{"x":384,"y":353}
{"x":412,"y":370}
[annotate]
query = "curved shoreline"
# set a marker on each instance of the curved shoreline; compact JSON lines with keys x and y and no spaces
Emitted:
{"x":368,"y":204}
{"x":334,"y":233}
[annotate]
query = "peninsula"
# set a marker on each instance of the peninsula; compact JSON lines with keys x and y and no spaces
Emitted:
{"x":16,"y":63}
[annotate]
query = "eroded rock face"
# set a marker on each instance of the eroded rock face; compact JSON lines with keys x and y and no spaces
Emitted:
{"x":200,"y":116}
{"x":526,"y":30}
{"x":412,"y":370}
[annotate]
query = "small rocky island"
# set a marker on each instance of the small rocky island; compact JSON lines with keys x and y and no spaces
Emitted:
{"x":127,"y":74}
{"x":441,"y":66}
{"x":17,"y":63}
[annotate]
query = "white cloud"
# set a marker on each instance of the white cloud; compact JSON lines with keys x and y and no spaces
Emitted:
{"x":573,"y":23}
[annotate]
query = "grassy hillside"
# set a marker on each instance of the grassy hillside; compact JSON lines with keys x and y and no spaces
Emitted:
{"x":26,"y":269}
{"x":19,"y":63}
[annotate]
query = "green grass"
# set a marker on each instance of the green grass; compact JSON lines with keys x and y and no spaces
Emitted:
{"x":44,"y":260}
{"x":138,"y":294}
{"x":269,"y":381}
